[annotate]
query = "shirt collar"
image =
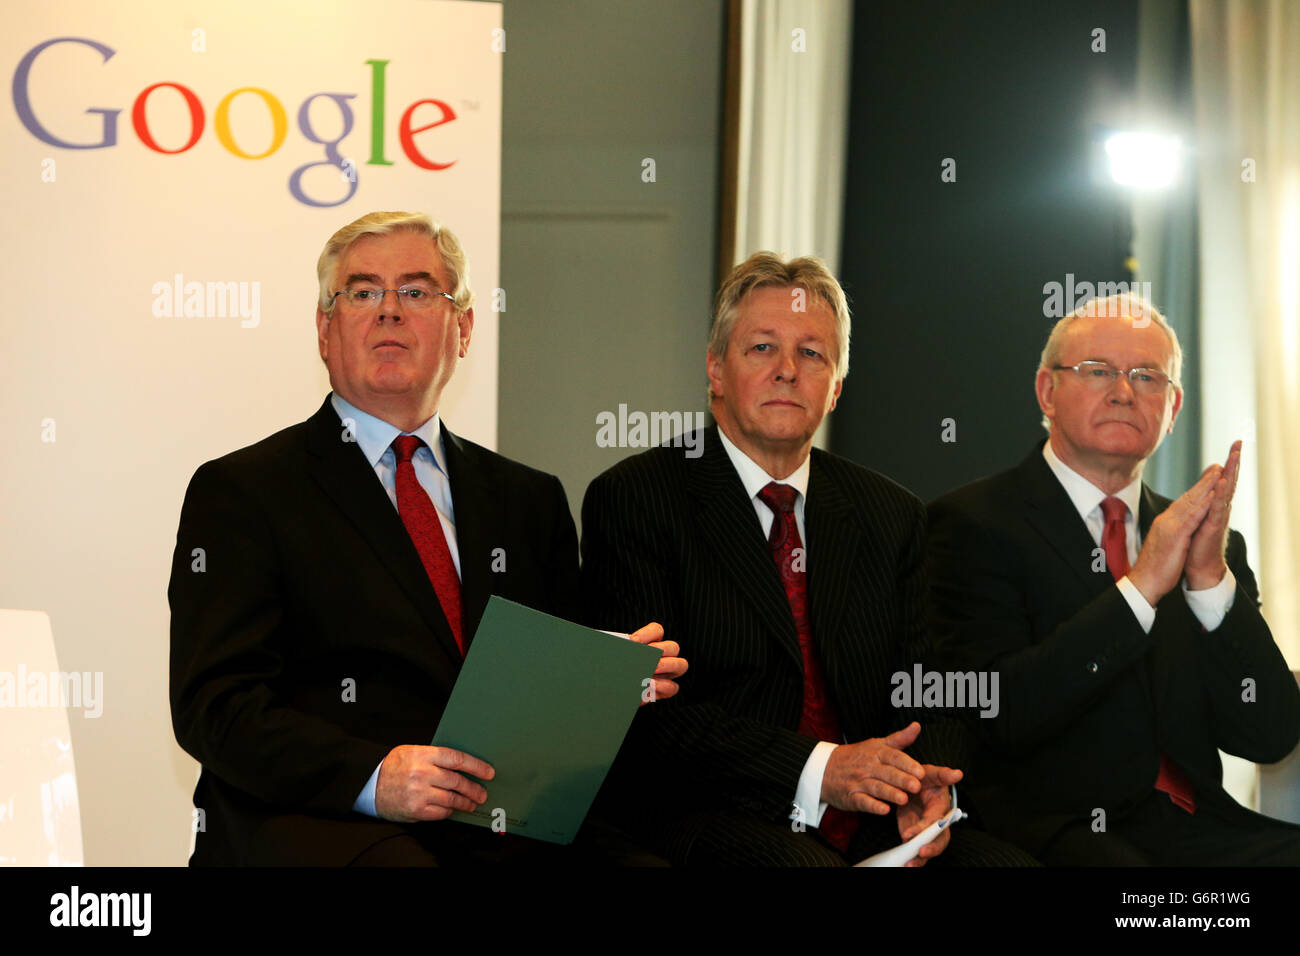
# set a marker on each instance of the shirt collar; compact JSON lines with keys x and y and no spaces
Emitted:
{"x":1084,"y":495}
{"x":374,"y":435}
{"x":754,"y":478}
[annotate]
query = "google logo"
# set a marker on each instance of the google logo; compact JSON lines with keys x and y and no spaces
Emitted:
{"x":221,"y":126}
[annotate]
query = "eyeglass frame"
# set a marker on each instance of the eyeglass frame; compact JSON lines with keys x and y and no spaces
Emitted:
{"x":1126,"y":372}
{"x":383,"y":294}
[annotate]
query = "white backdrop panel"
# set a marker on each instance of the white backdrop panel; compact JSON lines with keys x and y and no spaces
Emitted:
{"x":111,"y":394}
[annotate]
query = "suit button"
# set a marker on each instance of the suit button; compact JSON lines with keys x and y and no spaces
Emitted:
{"x":1092,"y":667}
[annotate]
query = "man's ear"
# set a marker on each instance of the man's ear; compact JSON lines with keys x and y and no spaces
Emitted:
{"x":1178,"y":406}
{"x":713,"y":368}
{"x":835,"y":394}
{"x":466,"y":323}
{"x":322,"y":334}
{"x":1045,"y":388}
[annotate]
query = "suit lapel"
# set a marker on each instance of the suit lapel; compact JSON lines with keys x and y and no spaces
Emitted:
{"x":1168,"y":643}
{"x":347,"y":478}
{"x":476,"y":498}
{"x":1051,"y":513}
{"x":731,"y":530}
{"x":833,"y":532}
{"x":1149,"y":506}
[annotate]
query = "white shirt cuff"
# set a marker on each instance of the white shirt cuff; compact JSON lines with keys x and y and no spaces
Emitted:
{"x":807,"y":795}
{"x":1212,"y":605}
{"x":365,"y":802}
{"x":1144,"y":612}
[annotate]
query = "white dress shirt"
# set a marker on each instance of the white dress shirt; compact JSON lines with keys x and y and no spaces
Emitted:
{"x":1210,"y":605}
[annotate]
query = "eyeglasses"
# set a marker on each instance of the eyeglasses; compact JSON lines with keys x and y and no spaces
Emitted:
{"x":1101,"y":376}
{"x":417,"y":297}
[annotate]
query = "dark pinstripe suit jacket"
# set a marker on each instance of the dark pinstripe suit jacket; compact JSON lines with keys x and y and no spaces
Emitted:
{"x":671,"y":539}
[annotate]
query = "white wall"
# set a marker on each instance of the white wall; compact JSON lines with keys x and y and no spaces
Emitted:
{"x":610,"y":278}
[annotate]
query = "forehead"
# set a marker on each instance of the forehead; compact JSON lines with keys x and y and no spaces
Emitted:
{"x":1115,"y":339}
{"x":396,"y":254}
{"x":774,"y":308}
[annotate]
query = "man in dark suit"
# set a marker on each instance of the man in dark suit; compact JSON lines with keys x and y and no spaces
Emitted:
{"x":327,"y":581}
{"x":1125,"y":627}
{"x":787,"y":708}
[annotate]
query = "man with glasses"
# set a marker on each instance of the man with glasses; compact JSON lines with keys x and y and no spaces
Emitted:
{"x":346,"y":563}
{"x":1125,"y":627}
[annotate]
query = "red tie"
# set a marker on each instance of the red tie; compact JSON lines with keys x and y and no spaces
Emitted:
{"x":818,"y":718}
{"x":422,"y":524}
{"x":1170,"y":779}
{"x":1114,"y":539}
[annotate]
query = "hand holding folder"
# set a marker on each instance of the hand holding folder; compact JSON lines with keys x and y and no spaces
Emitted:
{"x":546,"y":703}
{"x":671,"y":664}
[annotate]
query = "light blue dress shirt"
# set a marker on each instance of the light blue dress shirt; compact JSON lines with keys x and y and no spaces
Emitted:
{"x":374,"y":437}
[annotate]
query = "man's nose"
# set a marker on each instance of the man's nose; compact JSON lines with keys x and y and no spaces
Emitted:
{"x":395,"y":313}
{"x":1121,"y":392}
{"x":786,"y":370}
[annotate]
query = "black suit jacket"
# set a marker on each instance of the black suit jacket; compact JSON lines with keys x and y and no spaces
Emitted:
{"x":1089,"y":701}
{"x":676,"y":540}
{"x":293,"y":576}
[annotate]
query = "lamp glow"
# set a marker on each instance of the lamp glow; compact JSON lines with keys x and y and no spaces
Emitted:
{"x":1144,"y":160}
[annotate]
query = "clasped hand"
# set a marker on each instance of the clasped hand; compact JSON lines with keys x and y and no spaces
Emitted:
{"x":1189,"y":538}
{"x":870,"y":775}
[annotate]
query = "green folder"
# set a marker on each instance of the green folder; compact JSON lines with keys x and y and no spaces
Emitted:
{"x":547,"y":703}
